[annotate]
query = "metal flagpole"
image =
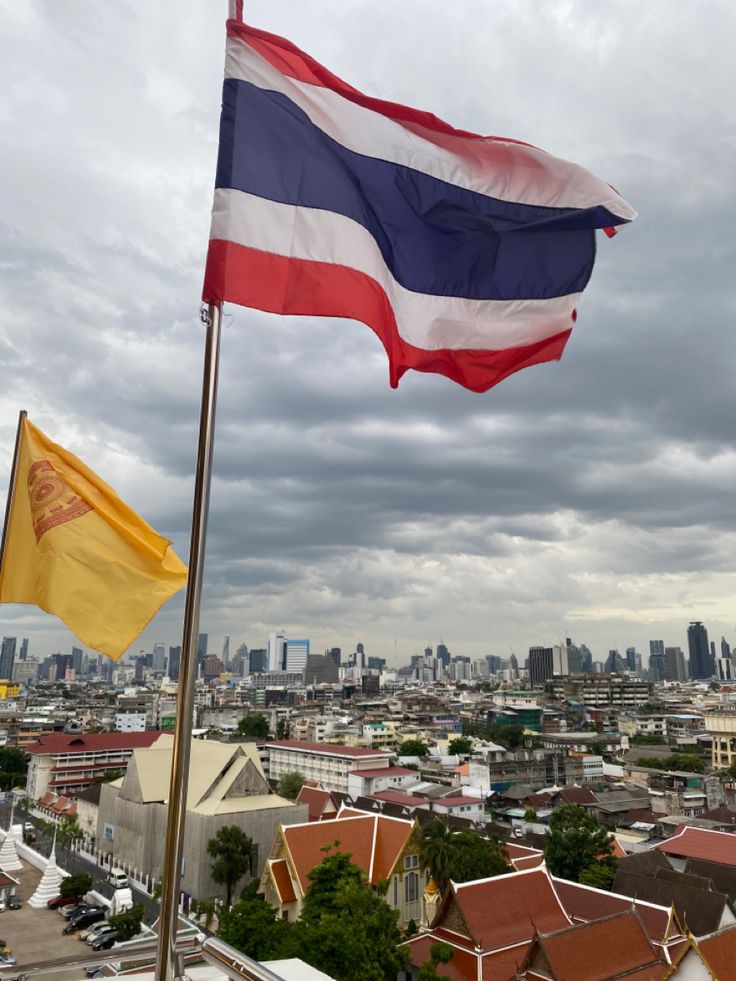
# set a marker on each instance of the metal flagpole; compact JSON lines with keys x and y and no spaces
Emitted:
{"x":168,"y":966}
{"x":11,"y":486}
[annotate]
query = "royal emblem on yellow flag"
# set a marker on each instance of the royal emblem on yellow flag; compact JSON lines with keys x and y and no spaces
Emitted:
{"x":74,"y":549}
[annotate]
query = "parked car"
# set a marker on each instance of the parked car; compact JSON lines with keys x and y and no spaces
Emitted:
{"x":59,"y":901}
{"x":3,"y":906}
{"x":95,"y":930}
{"x":69,"y":911}
{"x":94,"y":971}
{"x":106,"y":941}
{"x":14,"y":902}
{"x":6,"y":960}
{"x":84,"y":920}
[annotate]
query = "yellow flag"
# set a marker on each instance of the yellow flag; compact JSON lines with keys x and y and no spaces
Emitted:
{"x":76,"y":550}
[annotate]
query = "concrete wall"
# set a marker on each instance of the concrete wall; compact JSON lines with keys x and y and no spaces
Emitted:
{"x":140,"y":833}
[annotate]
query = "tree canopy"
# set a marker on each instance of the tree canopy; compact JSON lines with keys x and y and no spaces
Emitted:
{"x":128,"y":923}
{"x":439,"y":953}
{"x":13,"y":767}
{"x":290,"y":784}
{"x":575,"y":842}
{"x":461,"y":856}
{"x":232,"y":850}
{"x":460,"y":746}
{"x":346,"y":929}
{"x":75,"y":885}
{"x":253,"y":727}
{"x":413,"y":747}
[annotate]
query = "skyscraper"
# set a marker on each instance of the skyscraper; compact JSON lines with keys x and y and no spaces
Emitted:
{"x":77,"y":655}
{"x":586,"y":659}
{"x":540,"y":665}
{"x":174,"y":662}
{"x":297,"y":652}
{"x":158,"y":660}
{"x":657,"y":666}
{"x":23,"y":655}
{"x":202,"y":643}
{"x":725,"y":647}
{"x":701,"y":665}
{"x":675,"y":668}
{"x":614,"y":663}
{"x":226,"y":652}
{"x":276,"y":652}
{"x":631,"y":659}
{"x":7,"y":657}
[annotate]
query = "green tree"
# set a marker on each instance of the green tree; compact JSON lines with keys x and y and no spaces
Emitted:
{"x":413,"y":747}
{"x":253,"y":727}
{"x":435,"y":851}
{"x":290,"y":784}
{"x":575,"y":842}
{"x":439,"y":953}
{"x":128,"y":924}
{"x":232,"y":850}
{"x":349,"y":931}
{"x":460,"y":746}
{"x":474,"y":857}
{"x":282,"y":729}
{"x":68,"y":831}
{"x":530,"y":814}
{"x":75,"y":885}
{"x":600,"y":875}
{"x":13,"y":767}
{"x":251,"y":926}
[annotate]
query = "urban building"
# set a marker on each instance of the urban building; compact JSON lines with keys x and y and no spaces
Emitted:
{"x":325,"y":763}
{"x":675,"y":666}
{"x":174,"y":662}
{"x":226,"y":787}
{"x":7,"y":657}
{"x":67,"y":763}
{"x":701,"y":666}
{"x":276,"y":652}
{"x":23,"y":655}
{"x":295,"y":655}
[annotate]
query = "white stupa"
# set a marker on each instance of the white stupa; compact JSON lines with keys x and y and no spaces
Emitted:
{"x":48,"y":887}
{"x":9,"y":861}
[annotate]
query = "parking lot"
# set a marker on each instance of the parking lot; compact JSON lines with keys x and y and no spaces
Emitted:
{"x":35,"y":934}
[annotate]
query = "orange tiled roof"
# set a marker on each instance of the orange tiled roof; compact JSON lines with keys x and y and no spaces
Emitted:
{"x":601,"y":949}
{"x":372,"y":840}
{"x":713,"y":846}
{"x":282,"y":880}
{"x":719,"y":952}
{"x":508,"y":909}
{"x":317,"y":800}
{"x":585,"y":903}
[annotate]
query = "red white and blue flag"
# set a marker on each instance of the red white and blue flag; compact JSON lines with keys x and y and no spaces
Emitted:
{"x":465,"y":254}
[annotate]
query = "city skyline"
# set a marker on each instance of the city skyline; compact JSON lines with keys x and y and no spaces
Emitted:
{"x":591,"y":498}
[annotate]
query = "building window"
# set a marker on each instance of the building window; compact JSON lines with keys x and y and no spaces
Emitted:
{"x":411,"y":888}
{"x":411,"y":861}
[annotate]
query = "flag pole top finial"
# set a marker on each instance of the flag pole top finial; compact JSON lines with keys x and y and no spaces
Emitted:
{"x":235,"y":9}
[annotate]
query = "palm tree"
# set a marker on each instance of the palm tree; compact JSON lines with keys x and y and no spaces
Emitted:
{"x":436,"y":849}
{"x":232,"y":850}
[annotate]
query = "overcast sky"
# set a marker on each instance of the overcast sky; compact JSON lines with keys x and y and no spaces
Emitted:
{"x":593,"y":497}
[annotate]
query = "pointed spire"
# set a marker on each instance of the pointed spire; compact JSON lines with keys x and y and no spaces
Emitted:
{"x":9,"y":860}
{"x":48,"y":887}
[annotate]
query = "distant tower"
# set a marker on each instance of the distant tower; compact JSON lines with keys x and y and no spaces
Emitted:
{"x":699,"y":650}
{"x":226,"y":652}
{"x":7,"y":657}
{"x":23,"y":656}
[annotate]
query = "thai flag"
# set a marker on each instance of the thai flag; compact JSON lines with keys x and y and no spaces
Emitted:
{"x":465,"y":254}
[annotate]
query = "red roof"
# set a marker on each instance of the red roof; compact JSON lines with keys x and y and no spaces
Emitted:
{"x":329,"y":749}
{"x":719,"y":952}
{"x":598,"y":950}
{"x":90,"y":742}
{"x":456,"y":801}
{"x":282,"y":880}
{"x":396,"y":797}
{"x":584,"y":903}
{"x":713,"y":846}
{"x":578,"y":795}
{"x":508,"y":909}
{"x":318,"y":801}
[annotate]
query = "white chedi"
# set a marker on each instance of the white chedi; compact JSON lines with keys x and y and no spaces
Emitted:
{"x":49,"y":886}
{"x":9,"y":861}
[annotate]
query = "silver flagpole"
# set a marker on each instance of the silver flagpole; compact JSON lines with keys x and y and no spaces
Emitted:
{"x":11,"y":486}
{"x":168,"y":964}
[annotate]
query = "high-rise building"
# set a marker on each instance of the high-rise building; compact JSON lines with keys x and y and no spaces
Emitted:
{"x":444,"y":655}
{"x":226,"y":652}
{"x":713,"y":651}
{"x":614,"y":663}
{"x":63,"y":664}
{"x":586,"y":659}
{"x":257,"y":660}
{"x":77,"y":655}
{"x":202,"y":644}
{"x":725,"y":647}
{"x":335,"y":653}
{"x":514,"y":665}
{"x":376,"y":663}
{"x":7,"y":657}
{"x":574,"y":658}
{"x":701,"y":665}
{"x":540,"y":665}
{"x":657,"y":666}
{"x":276,"y":652}
{"x":631,"y":659}
{"x":23,"y":655}
{"x":297,"y":652}
{"x":359,"y":659}
{"x":212,"y":667}
{"x":675,"y":667}
{"x":158,"y":659}
{"x":724,"y":669}
{"x":174,"y":663}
